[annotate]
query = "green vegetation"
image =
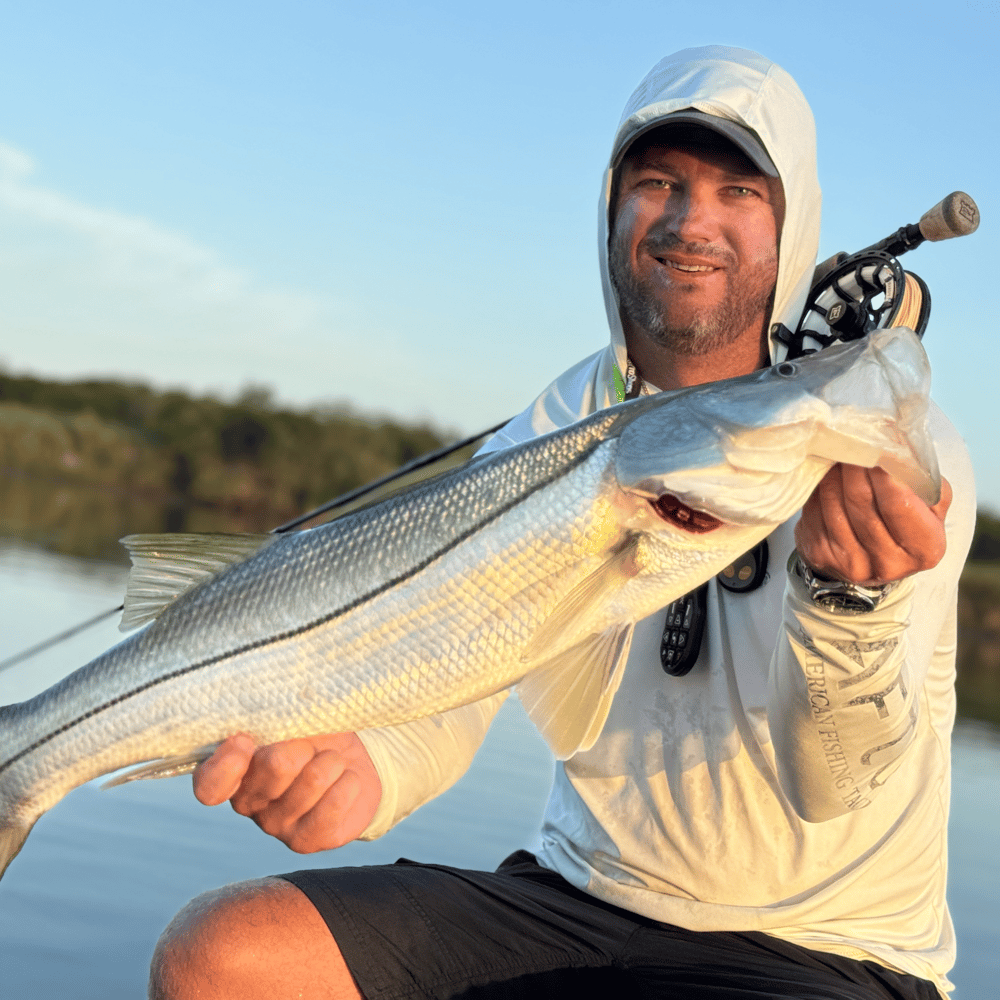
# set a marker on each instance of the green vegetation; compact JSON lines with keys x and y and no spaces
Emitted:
{"x":247,"y":459}
{"x":986,"y":539}
{"x":978,"y":682}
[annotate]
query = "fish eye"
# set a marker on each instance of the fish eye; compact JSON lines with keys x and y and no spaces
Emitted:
{"x":786,"y":369}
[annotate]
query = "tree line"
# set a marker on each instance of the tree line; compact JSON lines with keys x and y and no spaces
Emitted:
{"x":198,"y":450}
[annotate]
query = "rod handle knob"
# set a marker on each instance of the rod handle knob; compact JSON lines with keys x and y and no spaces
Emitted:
{"x":956,"y":215}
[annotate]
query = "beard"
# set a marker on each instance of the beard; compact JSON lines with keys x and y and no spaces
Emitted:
{"x":749,"y":295}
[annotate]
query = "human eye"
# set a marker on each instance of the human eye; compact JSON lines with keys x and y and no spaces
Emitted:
{"x":655,"y":182}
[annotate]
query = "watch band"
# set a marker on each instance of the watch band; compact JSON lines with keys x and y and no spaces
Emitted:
{"x":838,"y":596}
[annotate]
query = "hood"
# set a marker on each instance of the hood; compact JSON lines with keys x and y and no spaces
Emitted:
{"x":746,"y":88}
{"x":743,"y":87}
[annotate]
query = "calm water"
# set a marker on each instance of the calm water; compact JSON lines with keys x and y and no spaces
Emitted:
{"x":82,"y":906}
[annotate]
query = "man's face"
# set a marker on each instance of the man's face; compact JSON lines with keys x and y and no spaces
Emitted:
{"x":694,"y":244}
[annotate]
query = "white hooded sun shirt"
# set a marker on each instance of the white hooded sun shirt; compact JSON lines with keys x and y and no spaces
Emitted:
{"x":796,"y":782}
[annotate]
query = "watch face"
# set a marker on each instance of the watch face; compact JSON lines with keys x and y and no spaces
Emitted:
{"x":846,"y":603}
{"x":836,"y":596}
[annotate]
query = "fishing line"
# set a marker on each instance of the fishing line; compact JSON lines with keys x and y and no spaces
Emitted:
{"x":913,"y":304}
{"x":54,"y":640}
{"x":414,"y":465}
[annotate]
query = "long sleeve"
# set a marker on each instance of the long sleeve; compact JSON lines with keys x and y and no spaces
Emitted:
{"x":844,"y":703}
{"x":846,"y":691}
{"x":421,"y":759}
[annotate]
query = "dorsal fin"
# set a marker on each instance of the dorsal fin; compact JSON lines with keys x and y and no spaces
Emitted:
{"x":166,"y":566}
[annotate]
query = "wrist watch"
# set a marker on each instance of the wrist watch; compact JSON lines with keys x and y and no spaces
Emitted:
{"x":838,"y":596}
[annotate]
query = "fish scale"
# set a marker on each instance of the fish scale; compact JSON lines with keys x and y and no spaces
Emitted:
{"x":358,"y":695}
{"x":527,"y":567}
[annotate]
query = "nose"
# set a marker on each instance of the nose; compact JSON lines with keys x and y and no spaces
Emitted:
{"x":691,"y":217}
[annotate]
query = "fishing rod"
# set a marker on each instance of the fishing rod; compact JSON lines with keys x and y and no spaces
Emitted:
{"x":351,"y":496}
{"x":415,"y":464}
{"x":854,"y":294}
{"x":54,"y":640}
{"x":851,"y":295}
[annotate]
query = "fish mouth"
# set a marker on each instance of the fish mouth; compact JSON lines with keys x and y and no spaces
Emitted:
{"x":671,"y":510}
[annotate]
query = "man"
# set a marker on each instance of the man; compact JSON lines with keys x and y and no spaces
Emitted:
{"x":772,"y":823}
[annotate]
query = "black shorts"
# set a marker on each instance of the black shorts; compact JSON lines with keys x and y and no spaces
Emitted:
{"x":411,"y":930}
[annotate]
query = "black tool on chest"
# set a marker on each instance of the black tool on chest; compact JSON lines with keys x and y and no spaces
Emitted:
{"x":684,"y":628}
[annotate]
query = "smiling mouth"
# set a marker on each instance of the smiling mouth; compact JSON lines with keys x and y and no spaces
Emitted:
{"x":687,"y":268}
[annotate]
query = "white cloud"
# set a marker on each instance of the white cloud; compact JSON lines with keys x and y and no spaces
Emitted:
{"x":88,"y":291}
{"x":129,"y":253}
{"x":14,"y":164}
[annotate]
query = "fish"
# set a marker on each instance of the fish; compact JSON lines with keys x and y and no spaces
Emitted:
{"x":525,"y":568}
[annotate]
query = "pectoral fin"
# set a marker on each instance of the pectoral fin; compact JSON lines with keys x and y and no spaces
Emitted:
{"x":12,"y":838}
{"x":577,"y":607}
{"x":569,"y":697}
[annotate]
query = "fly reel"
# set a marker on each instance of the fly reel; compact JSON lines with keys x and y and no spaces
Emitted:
{"x":853,"y":295}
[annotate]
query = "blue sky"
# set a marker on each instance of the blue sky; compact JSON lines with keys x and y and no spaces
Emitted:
{"x":394,"y":206}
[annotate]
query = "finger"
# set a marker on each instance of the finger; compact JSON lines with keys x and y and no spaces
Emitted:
{"x":323,"y":780}
{"x":869,"y":528}
{"x":310,"y":785}
{"x":867,"y":525}
{"x":873,"y":503}
{"x":271,"y":772}
{"x":916,"y":529}
{"x":343,"y":813}
{"x":336,"y":818}
{"x":824,"y":535}
{"x":943,"y":505}
{"x":902,"y":512}
{"x":899,"y":497}
{"x":217,"y":779}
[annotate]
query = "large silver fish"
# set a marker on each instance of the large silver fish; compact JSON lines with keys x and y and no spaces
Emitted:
{"x":526,"y":567}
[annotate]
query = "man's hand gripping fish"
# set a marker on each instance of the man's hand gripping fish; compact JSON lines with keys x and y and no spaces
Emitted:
{"x":527,"y":568}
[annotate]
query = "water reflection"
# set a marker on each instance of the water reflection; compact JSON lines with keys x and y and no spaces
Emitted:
{"x":87,"y":522}
{"x":103,"y":872}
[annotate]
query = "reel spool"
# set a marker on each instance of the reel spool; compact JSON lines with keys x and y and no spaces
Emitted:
{"x":852,"y":295}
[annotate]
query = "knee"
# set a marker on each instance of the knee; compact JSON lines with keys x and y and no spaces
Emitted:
{"x":214,"y":946}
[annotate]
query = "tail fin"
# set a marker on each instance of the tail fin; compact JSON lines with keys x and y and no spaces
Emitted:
{"x":12,"y":838}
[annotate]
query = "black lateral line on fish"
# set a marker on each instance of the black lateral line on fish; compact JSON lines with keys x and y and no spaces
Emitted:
{"x":281,"y":637}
